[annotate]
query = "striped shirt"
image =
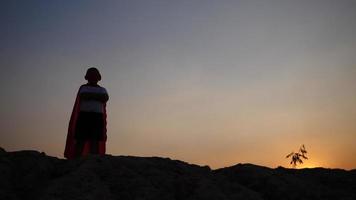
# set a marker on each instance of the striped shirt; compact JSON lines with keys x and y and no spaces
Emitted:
{"x":92,"y":98}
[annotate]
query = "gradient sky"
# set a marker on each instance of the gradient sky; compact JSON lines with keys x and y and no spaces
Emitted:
{"x":213,"y":82}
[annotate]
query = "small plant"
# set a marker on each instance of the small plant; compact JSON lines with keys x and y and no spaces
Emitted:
{"x":297,"y":157}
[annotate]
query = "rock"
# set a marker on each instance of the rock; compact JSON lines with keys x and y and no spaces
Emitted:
{"x":2,"y":151}
{"x":33,"y":175}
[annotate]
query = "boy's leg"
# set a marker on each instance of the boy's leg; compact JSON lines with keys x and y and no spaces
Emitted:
{"x":94,"y":147}
{"x":79,"y":147}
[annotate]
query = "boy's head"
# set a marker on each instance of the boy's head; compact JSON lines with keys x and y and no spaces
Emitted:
{"x":93,"y":75}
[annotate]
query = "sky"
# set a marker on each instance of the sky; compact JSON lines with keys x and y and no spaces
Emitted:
{"x":213,"y":82}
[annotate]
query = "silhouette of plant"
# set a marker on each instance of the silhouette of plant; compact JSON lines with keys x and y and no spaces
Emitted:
{"x":297,"y":157}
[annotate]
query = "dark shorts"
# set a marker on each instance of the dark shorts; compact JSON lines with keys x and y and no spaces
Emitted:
{"x":89,"y":126}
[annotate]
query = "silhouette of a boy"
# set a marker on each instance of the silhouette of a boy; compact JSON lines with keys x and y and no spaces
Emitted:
{"x":87,"y":126}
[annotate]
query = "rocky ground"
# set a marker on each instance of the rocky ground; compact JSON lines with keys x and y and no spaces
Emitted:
{"x":34,"y":175}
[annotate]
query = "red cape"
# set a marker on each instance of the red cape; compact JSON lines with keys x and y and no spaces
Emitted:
{"x":70,"y":149}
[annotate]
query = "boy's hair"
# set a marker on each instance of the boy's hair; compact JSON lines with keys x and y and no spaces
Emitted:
{"x":93,"y":70}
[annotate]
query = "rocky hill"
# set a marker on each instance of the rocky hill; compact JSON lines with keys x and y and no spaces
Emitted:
{"x":34,"y":175}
